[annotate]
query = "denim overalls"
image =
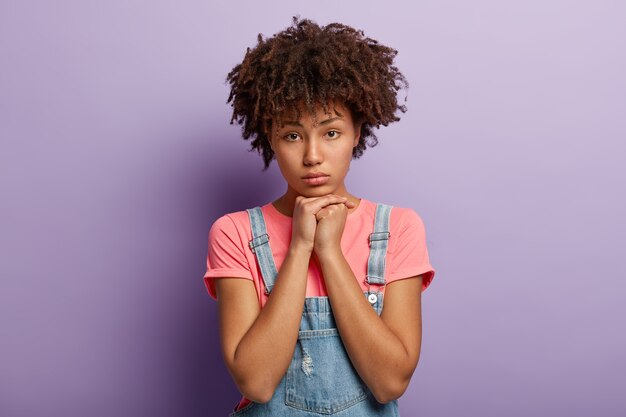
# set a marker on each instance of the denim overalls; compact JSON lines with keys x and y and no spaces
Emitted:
{"x":321,"y":380}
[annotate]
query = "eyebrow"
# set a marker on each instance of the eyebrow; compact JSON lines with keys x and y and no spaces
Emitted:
{"x":323,"y":122}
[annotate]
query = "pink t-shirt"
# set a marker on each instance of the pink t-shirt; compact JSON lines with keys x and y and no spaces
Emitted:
{"x":230,"y":256}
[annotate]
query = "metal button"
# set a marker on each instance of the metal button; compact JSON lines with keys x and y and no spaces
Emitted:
{"x":372,"y":298}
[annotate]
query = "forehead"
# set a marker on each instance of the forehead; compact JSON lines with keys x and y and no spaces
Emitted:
{"x":334,"y":109}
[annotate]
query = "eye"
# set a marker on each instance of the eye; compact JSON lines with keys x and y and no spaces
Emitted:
{"x":290,"y":137}
{"x":335,"y":135}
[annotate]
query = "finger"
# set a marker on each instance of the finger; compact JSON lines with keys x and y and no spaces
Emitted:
{"x":331,"y":210}
{"x":319,"y":203}
{"x":308,"y":199}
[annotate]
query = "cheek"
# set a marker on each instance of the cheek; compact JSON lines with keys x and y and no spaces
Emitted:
{"x":340,"y":160}
{"x":287,"y":163}
{"x":345,"y":153}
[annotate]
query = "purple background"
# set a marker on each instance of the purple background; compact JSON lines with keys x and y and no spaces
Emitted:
{"x":117,"y":156}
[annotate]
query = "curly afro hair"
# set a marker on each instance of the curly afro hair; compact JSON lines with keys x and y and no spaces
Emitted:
{"x":309,"y":64}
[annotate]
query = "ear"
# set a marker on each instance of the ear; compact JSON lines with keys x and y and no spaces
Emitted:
{"x":357,"y":134}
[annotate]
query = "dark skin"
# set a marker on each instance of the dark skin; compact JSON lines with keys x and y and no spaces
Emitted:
{"x":383,"y":349}
{"x":330,"y":69}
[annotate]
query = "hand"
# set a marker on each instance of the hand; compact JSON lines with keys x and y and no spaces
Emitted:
{"x":304,"y":220}
{"x":331,"y":222}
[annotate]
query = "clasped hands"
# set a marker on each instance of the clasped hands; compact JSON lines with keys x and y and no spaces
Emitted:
{"x":318,"y":222}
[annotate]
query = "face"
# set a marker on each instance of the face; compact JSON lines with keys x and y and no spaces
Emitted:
{"x":303,"y":147}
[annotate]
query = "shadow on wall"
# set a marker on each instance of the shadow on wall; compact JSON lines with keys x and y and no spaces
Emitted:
{"x":228,"y":178}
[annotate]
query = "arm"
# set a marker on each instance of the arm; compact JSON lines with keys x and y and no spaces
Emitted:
{"x":383,"y":350}
{"x":258,"y":344}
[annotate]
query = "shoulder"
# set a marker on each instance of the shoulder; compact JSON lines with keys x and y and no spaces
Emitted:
{"x":401,"y":218}
{"x":405,"y":217}
{"x":230,"y":224}
{"x":406,"y":230}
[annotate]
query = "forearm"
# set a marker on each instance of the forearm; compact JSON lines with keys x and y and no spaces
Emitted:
{"x":264,"y":353}
{"x":376,"y":352}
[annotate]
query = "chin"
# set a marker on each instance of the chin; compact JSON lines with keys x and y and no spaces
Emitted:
{"x":314,"y":191}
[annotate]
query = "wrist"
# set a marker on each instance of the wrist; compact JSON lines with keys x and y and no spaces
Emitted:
{"x":332,"y":251}
{"x":300,"y":249}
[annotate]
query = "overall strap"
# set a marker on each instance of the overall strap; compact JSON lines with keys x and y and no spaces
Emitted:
{"x":378,"y":242}
{"x":260,"y":246}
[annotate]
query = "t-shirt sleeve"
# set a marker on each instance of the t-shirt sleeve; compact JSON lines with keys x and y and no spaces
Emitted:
{"x":410,"y":254}
{"x":226,"y":257}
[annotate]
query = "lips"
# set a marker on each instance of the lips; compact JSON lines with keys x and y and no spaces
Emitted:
{"x":316,"y":180}
{"x":315,"y":175}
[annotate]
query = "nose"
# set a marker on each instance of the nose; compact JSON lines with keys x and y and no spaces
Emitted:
{"x":313,"y":154}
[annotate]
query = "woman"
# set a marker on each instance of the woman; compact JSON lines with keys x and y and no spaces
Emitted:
{"x":300,"y":281}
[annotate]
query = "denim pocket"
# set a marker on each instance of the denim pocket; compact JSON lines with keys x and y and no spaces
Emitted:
{"x":321,"y":378}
